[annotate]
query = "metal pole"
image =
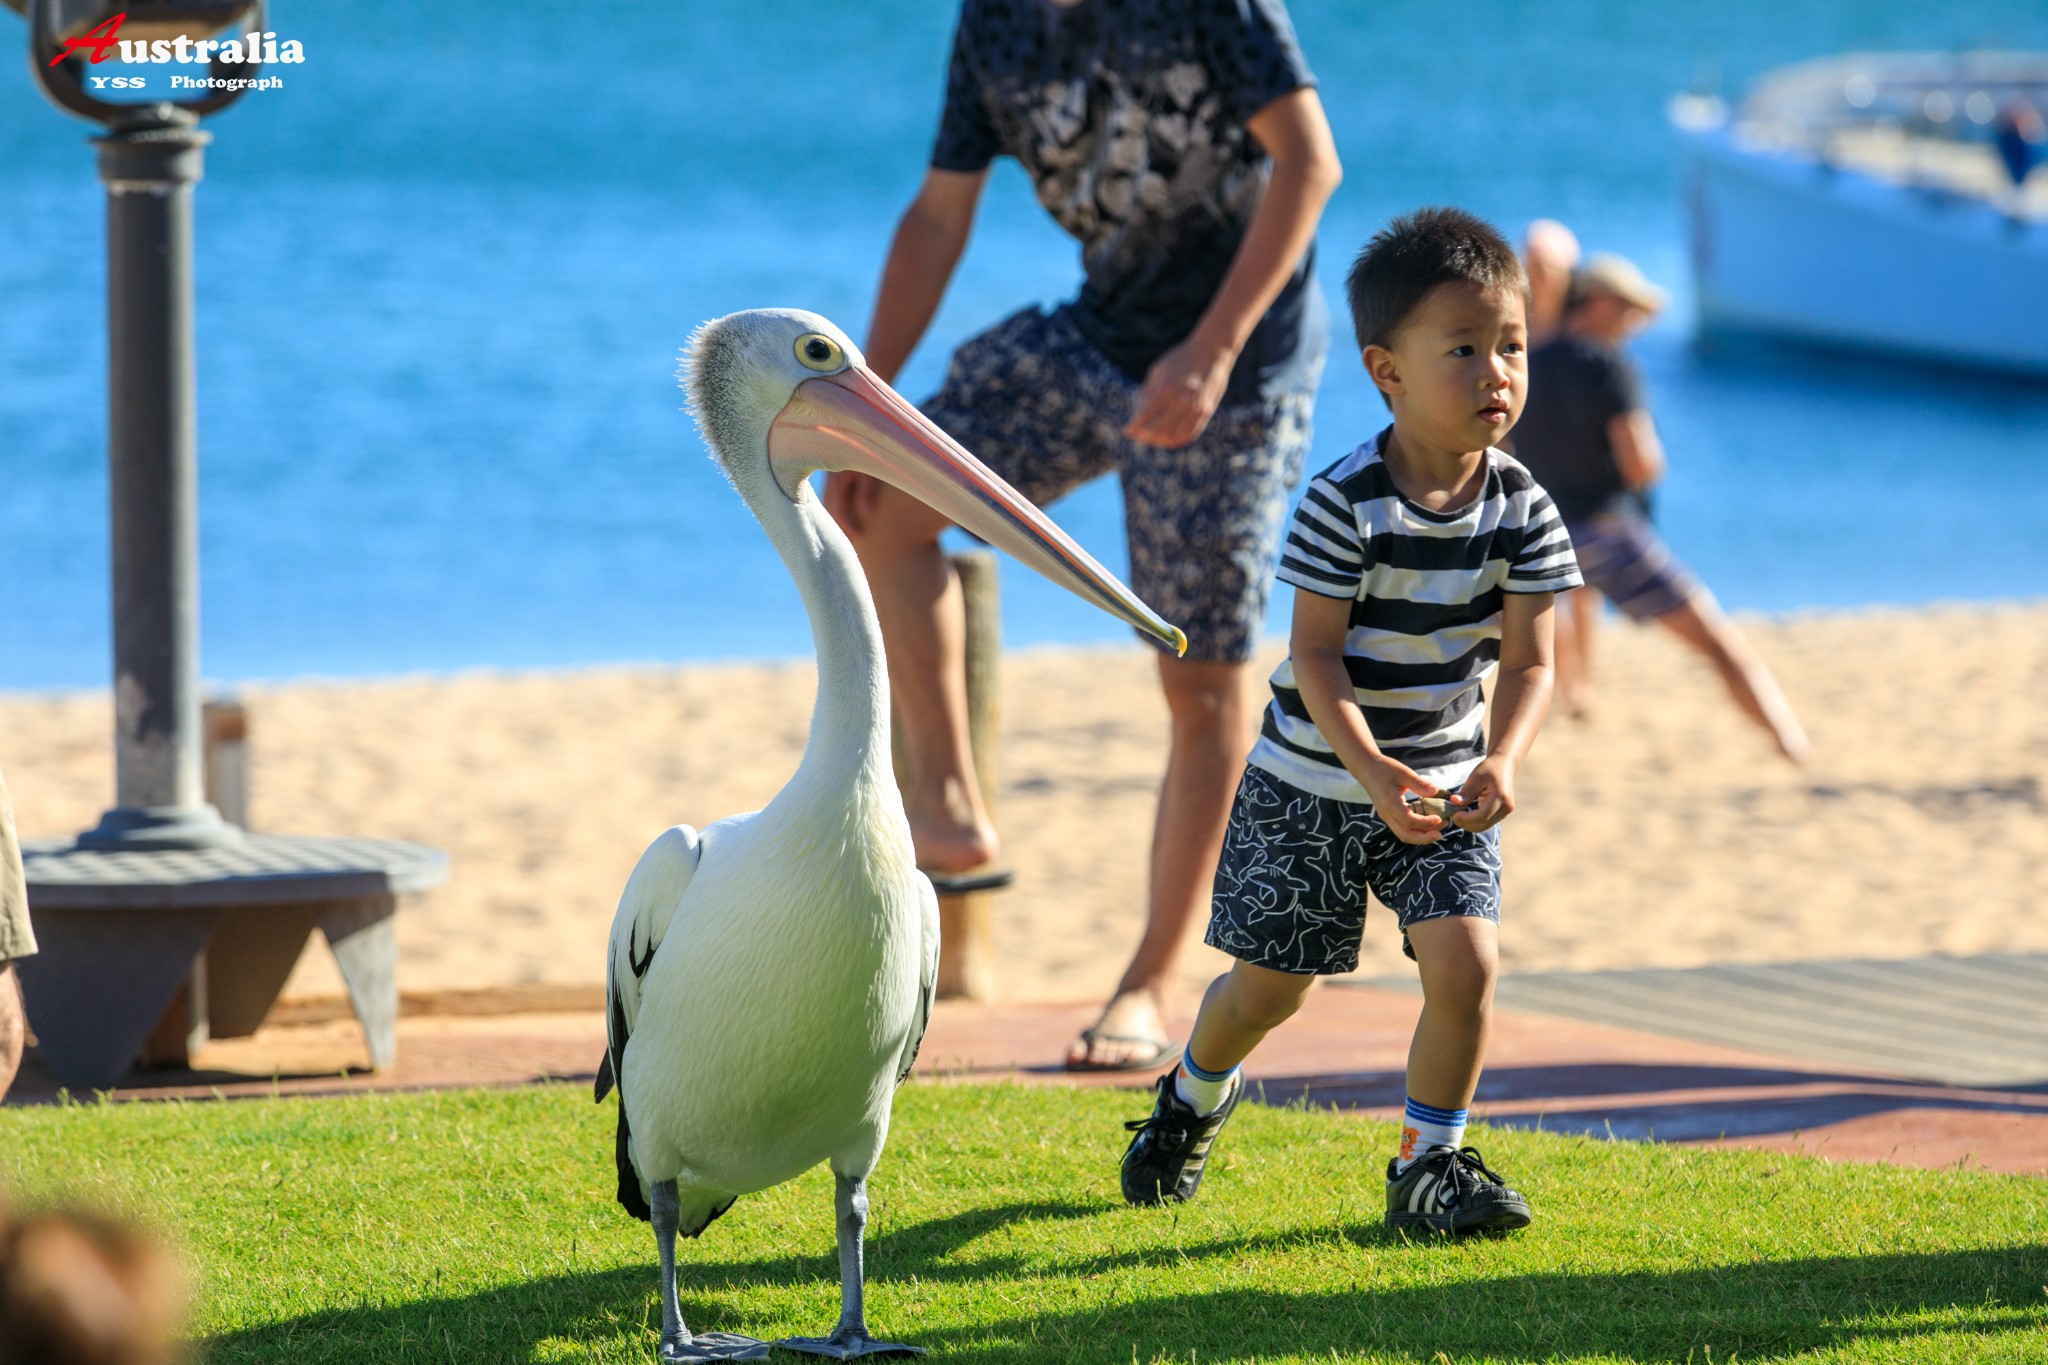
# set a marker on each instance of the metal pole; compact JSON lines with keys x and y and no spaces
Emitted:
{"x":153,"y":462}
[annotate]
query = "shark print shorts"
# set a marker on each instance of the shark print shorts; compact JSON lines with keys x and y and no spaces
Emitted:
{"x":1291,"y":884}
{"x":1035,"y":402}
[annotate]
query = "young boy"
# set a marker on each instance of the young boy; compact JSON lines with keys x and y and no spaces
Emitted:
{"x":1419,"y":560}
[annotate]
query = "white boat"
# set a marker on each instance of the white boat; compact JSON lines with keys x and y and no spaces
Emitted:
{"x":1859,"y":201}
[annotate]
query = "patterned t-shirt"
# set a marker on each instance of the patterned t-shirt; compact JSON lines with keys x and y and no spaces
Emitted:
{"x":1129,"y":117}
{"x":1426,"y":590}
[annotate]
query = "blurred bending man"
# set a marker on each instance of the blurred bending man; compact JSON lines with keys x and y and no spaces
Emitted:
{"x":1550,"y":253}
{"x":1587,"y":437}
{"x":17,"y":939}
{"x":1182,"y":144}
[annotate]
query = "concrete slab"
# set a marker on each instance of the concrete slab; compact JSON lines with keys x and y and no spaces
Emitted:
{"x":1969,"y":1021}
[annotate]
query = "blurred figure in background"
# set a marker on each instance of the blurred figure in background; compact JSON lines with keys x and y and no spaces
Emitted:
{"x":79,"y":1289}
{"x":16,"y":940}
{"x":1587,"y":437}
{"x":1550,"y":253}
{"x":2021,"y":138}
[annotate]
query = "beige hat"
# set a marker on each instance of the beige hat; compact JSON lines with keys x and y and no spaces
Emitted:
{"x":1617,"y":275}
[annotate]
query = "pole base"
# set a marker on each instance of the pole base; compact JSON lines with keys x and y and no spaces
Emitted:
{"x":154,"y":829}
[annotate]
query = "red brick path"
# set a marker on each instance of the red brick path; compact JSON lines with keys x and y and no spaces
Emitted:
{"x":1346,"y":1048}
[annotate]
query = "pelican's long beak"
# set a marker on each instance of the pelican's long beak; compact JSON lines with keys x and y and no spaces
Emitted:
{"x":852,"y":420}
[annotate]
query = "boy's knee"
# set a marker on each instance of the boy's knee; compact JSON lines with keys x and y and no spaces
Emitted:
{"x":1459,"y":962}
{"x":1261,"y":999}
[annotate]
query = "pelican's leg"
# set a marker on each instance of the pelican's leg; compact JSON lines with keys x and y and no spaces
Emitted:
{"x":677,"y":1342}
{"x":850,"y":1338}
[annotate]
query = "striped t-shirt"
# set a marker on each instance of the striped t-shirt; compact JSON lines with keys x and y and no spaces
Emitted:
{"x":1426,"y":592}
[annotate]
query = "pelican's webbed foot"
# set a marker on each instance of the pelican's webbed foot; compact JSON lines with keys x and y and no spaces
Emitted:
{"x":847,"y":1344}
{"x":712,"y":1346}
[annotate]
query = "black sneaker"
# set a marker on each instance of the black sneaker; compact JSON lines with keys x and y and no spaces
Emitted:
{"x":1450,"y":1190}
{"x":1165,"y":1159}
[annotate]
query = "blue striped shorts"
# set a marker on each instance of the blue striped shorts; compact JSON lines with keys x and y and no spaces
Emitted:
{"x":1624,"y":557}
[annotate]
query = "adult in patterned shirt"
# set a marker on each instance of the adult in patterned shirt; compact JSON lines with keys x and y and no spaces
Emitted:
{"x":1182,"y":144}
{"x":1421,"y":561}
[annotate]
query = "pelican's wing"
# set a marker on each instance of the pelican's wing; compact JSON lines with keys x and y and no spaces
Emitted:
{"x":928,"y":974}
{"x":645,"y":909}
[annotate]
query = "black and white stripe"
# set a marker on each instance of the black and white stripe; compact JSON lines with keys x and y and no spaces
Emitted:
{"x":1426,"y":590}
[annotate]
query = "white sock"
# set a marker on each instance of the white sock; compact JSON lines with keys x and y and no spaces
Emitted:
{"x":1201,"y":1091}
{"x":1424,"y":1127}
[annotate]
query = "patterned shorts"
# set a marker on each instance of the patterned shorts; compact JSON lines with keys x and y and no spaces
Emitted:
{"x":1046,"y":411}
{"x":1623,"y":556}
{"x":1291,"y":884}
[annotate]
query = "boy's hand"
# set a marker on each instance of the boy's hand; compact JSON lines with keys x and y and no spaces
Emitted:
{"x":1386,"y":782}
{"x":1488,"y":796}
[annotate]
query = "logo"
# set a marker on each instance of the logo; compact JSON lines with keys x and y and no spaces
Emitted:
{"x":249,"y":49}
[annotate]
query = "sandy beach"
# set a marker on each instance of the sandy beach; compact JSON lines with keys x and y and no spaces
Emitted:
{"x":1661,"y":831}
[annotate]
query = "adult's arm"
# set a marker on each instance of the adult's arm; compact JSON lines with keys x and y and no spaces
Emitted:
{"x":1185,"y":385}
{"x":929,"y":239}
{"x":1638,"y":454}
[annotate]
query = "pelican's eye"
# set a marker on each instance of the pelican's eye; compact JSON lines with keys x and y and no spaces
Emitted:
{"x":816,"y":351}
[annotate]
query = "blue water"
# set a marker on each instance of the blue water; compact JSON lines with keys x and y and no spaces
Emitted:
{"x":444,"y":272}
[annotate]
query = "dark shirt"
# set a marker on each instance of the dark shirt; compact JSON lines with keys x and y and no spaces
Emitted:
{"x":1576,"y":386}
{"x":1129,"y":117}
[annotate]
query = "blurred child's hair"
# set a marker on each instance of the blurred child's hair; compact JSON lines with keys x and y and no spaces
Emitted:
{"x":81,"y":1289}
{"x":1413,"y":255}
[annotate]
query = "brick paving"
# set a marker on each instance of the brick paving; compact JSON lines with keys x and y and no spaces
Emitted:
{"x":1345,"y":1049}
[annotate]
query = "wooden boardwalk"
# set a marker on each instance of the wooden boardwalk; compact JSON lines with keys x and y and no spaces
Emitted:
{"x":1965,"y":1021}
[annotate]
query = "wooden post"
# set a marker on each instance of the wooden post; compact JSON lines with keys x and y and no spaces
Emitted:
{"x":225,"y":725}
{"x":967,"y":923}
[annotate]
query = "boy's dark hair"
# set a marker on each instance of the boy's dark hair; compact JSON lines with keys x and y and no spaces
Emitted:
{"x":1413,"y":255}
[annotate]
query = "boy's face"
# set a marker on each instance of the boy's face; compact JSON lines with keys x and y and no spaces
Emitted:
{"x":1457,"y":372}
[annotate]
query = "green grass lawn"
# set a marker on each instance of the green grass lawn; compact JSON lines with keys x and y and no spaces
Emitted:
{"x":480,"y":1226}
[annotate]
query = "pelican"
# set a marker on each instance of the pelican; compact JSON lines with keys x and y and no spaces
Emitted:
{"x":770,"y":978}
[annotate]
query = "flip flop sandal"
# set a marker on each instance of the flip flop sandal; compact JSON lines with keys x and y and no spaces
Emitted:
{"x":960,"y":883}
{"x":1141,"y":1061}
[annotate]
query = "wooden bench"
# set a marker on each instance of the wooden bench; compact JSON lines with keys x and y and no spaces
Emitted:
{"x":146,"y":955}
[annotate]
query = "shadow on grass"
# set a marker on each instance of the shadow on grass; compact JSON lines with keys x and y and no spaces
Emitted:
{"x":508,"y":1323}
{"x":1759,"y":1309}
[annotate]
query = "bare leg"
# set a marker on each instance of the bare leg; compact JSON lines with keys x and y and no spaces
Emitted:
{"x":1239,"y":1009}
{"x":850,"y":1338}
{"x":677,"y":1341}
{"x":1459,"y":958}
{"x":924,"y":633}
{"x":1700,"y":623}
{"x":1577,"y":621}
{"x":1213,"y":715}
{"x":13,"y":1027}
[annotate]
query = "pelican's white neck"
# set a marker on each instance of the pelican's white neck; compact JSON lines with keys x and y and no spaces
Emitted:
{"x":848,"y":747}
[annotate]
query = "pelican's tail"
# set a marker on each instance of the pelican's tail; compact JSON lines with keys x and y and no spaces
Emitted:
{"x":632,"y":1198}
